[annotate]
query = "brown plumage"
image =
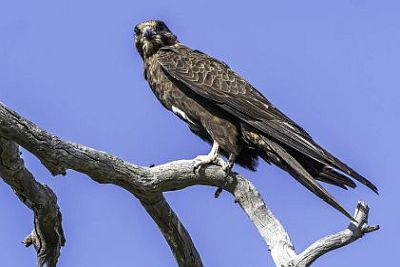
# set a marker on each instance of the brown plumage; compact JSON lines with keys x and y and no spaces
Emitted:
{"x":224,"y":109}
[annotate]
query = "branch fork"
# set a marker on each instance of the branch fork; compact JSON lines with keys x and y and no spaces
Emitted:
{"x":147,"y":184}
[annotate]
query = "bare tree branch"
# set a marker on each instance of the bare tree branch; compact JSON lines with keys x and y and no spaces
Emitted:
{"x":47,"y":236}
{"x":58,"y":156}
{"x":147,"y":184}
{"x":353,"y":232}
{"x":174,"y":232}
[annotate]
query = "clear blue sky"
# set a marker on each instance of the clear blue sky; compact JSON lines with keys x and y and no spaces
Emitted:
{"x":332,"y":66}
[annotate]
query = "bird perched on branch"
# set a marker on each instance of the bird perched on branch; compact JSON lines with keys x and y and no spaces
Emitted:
{"x":227,"y":111}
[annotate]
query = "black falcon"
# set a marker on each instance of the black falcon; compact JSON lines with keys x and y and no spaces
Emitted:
{"x":224,"y":109}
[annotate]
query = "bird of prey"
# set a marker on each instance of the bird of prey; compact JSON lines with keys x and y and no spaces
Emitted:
{"x":227,"y":111}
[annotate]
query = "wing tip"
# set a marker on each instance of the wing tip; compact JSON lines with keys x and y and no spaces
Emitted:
{"x":355,"y":175}
{"x":364,"y":181}
{"x":375,"y":190}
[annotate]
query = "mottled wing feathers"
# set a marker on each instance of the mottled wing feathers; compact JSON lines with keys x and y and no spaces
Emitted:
{"x":213,"y":80}
{"x":216,"y":82}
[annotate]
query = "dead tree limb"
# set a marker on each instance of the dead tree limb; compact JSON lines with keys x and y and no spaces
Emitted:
{"x":47,"y":235}
{"x":147,"y":184}
{"x":331,"y":242}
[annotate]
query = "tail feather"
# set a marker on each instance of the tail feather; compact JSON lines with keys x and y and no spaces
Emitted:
{"x":336,"y":163}
{"x":320,"y":171}
{"x":339,"y":178}
{"x":305,"y":169}
{"x":290,"y":164}
{"x":328,"y":180}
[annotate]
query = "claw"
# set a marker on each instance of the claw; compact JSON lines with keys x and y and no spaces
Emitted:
{"x":227,"y":167}
{"x":205,"y":160}
{"x":211,"y":158}
{"x":218,"y":192}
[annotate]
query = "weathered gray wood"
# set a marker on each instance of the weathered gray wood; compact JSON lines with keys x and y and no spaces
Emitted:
{"x":147,"y":184}
{"x":58,"y":156}
{"x":173,"y":231}
{"x":47,"y":235}
{"x":331,"y":242}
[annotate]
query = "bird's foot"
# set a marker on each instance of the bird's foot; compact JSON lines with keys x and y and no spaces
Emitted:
{"x":227,"y":167}
{"x":218,"y":192}
{"x":204,"y":160}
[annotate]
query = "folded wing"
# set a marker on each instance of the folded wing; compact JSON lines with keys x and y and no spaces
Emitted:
{"x":216,"y":82}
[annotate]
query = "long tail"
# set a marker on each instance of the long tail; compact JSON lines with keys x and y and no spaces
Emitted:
{"x":286,"y":161}
{"x":302,"y":169}
{"x":322,"y":172}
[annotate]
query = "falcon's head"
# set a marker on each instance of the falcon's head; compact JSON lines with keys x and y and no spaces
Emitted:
{"x":152,"y":35}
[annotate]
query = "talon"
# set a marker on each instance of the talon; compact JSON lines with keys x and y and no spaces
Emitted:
{"x":211,"y":158}
{"x":227,"y":167}
{"x":218,"y":192}
{"x":198,"y":165}
{"x":206,"y":160}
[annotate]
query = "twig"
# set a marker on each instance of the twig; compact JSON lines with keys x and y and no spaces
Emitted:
{"x":331,"y":242}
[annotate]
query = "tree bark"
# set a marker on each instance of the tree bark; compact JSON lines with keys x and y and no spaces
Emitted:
{"x":148,"y":184}
{"x":47,"y":235}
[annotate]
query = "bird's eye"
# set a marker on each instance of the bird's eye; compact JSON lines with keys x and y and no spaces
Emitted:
{"x":159,"y":27}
